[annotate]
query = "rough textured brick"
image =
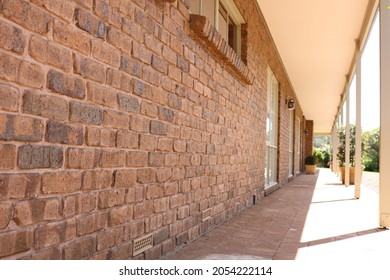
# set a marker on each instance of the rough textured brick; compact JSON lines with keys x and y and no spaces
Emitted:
{"x":20,"y":128}
{"x":19,"y":186}
{"x":102,"y":95}
{"x":113,"y":158}
{"x":94,"y":180}
{"x":147,"y":142}
{"x":160,"y":236}
{"x":134,"y":229}
{"x":8,"y":156}
{"x":53,"y":233}
{"x":9,"y":67}
{"x":89,"y":23}
{"x":146,"y":176}
{"x":17,"y":241}
{"x":63,"y":133}
{"x":80,"y":248}
{"x":119,"y":80}
{"x":45,"y":105}
{"x":115,"y":119}
{"x":156,"y":159}
{"x":33,"y":156}
{"x":27,"y":15}
{"x":9,"y":98}
{"x":133,"y":29}
{"x":160,"y":64}
{"x":165,"y":144}
{"x":109,"y":238}
{"x":31,"y":75}
{"x":149,"y":109}
{"x":12,"y":38}
{"x":137,"y":159}
{"x":158,"y":128}
{"x":5,"y":215}
{"x":65,"y":84}
{"x":125,"y":178}
{"x":105,"y":53}
{"x":89,"y":69}
{"x":120,"y":215}
{"x":139,"y":123}
{"x":161,"y":204}
{"x":46,"y":254}
{"x":89,"y":223}
{"x":61,"y":182}
{"x":92,"y":136}
{"x":111,"y":198}
{"x":131,"y":66}
{"x":61,"y":8}
{"x":35,"y":211}
{"x":64,"y":34}
{"x":127,"y":139}
{"x":80,"y":112}
{"x":128,"y":103}
{"x":120,"y":40}
{"x":107,"y":137}
{"x":81,"y":158}
{"x":49,"y":53}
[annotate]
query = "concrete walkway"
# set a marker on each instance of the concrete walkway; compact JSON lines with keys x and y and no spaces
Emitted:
{"x":313,"y":217}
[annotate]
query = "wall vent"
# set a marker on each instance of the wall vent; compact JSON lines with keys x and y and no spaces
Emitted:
{"x":206,"y":214}
{"x":142,"y":244}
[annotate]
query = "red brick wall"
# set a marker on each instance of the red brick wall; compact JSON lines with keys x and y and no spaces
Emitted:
{"x":116,"y":123}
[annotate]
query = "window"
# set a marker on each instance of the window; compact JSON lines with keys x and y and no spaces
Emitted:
{"x":272,"y":131}
{"x":291,"y":145}
{"x":225,"y":17}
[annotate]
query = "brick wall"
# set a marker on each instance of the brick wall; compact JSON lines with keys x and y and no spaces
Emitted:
{"x":115,"y":123}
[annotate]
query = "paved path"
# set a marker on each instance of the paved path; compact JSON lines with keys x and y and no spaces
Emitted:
{"x":313,"y":217}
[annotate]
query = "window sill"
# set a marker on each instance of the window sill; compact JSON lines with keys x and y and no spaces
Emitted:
{"x":209,"y":36}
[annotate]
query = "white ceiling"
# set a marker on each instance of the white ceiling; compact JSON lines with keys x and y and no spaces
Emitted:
{"x":316,"y":42}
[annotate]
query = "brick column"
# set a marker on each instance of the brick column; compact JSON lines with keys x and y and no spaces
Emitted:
{"x":308,"y":136}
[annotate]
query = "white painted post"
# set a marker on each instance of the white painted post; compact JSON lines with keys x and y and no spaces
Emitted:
{"x":347,"y":139}
{"x":358,"y":136}
{"x":384,"y":159}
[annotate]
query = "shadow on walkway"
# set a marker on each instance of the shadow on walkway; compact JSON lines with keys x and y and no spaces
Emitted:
{"x":312,"y":216}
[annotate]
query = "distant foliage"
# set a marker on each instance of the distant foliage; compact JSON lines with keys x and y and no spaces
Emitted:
{"x":371,"y":150}
{"x":322,"y":150}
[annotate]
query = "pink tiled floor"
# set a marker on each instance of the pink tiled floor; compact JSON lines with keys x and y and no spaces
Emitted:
{"x":312,"y":217}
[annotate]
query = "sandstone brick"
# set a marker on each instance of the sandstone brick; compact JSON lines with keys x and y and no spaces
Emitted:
{"x":8,"y":156}
{"x":89,"y":69}
{"x":161,"y":204}
{"x":66,"y":84}
{"x":80,"y":248}
{"x":92,"y":136}
{"x":120,"y":40}
{"x":158,"y":128}
{"x":143,"y":90}
{"x":45,"y":105}
{"x":87,"y":202}
{"x":134,"y":229}
{"x":139,"y":123}
{"x":46,"y":254}
{"x":86,"y":3}
{"x":135,"y":194}
{"x":17,"y":241}
{"x":12,"y":38}
{"x":122,"y":252}
{"x":35,"y":211}
{"x":64,"y":133}
{"x":31,"y":75}
{"x":120,"y":215}
{"x":5,"y":215}
{"x":61,"y":8}
{"x":164,"y":174}
{"x":113,"y":158}
{"x":111,"y":198}
{"x":64,"y":34}
{"x":182,"y":238}
{"x":34,"y":156}
{"x":159,"y":64}
{"x":107,"y":137}
{"x":147,"y":142}
{"x":49,"y":53}
{"x":50,"y":234}
{"x":145,"y":176}
{"x":175,"y":228}
{"x":179,"y":146}
{"x":126,"y":139}
{"x":90,"y":223}
{"x":70,"y":205}
{"x":9,"y":98}
{"x":137,"y":159}
{"x":27,"y":15}
{"x":168,"y":246}
{"x":156,"y":159}
{"x":89,"y":23}
{"x":108,"y":13}
{"x":165,"y":144}
{"x":131,"y":66}
{"x":109,"y":238}
{"x":102,"y":95}
{"x":61,"y":182}
{"x":149,"y":109}
{"x":169,"y":217}
{"x":130,"y":27}
{"x":115,"y":119}
{"x":119,"y":80}
{"x":128,"y":103}
{"x":19,"y":186}
{"x":105,"y":53}
{"x":80,"y":112}
{"x":125,"y":178}
{"x":9,"y":67}
{"x":95,"y":180}
{"x":20,"y":128}
{"x":81,"y":158}
{"x":151,"y":76}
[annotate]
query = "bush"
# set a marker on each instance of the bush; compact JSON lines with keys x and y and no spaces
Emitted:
{"x":310,"y":160}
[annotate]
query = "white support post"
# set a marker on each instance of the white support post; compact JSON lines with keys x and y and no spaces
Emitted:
{"x":347,"y":140}
{"x":384,"y":159}
{"x":358,"y":136}
{"x":335,"y":148}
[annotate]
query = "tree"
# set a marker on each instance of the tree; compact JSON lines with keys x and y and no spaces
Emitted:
{"x":371,"y":150}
